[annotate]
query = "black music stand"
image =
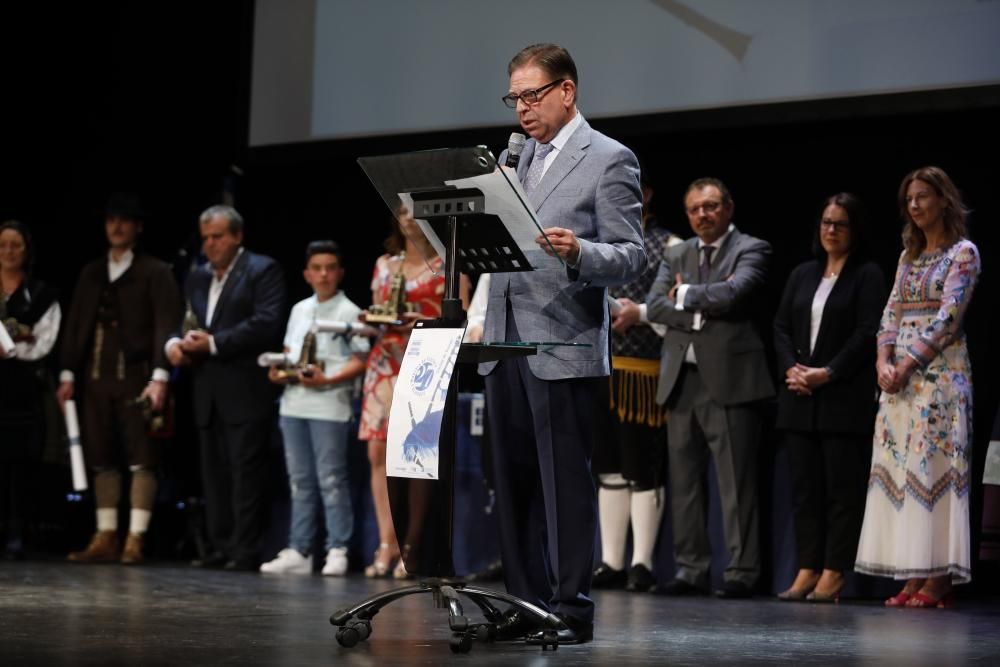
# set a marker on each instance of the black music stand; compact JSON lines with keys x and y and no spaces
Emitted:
{"x":478,"y":234}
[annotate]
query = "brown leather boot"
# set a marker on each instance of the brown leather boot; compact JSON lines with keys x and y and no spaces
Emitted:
{"x":103,"y":548}
{"x":132,"y":553}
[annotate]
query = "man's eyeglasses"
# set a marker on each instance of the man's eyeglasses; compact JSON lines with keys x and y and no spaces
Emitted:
{"x":529,"y":97}
{"x":709,"y":206}
{"x":835,"y":225}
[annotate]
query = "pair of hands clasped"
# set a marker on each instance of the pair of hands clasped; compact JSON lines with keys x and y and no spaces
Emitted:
{"x":194,"y":344}
{"x":802,"y":380}
{"x":892,"y":378}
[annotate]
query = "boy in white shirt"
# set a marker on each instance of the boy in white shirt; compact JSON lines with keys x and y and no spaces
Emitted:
{"x":316,"y":415}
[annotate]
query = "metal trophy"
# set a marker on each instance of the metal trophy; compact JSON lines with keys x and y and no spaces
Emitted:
{"x":307,"y":362}
{"x":391,"y":312}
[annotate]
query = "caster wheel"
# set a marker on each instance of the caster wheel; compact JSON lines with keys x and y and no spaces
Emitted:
{"x":483,"y":633}
{"x":364,"y":629}
{"x":550,"y":639}
{"x":348,"y":637}
{"x":460,"y":644}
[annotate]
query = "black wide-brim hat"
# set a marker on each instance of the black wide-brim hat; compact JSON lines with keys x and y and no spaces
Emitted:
{"x":125,"y":205}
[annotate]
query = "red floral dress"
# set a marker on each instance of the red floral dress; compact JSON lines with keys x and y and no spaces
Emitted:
{"x":425,"y":291}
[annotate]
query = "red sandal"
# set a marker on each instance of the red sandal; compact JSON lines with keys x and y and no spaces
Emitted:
{"x":898,"y":600}
{"x":922,"y":601}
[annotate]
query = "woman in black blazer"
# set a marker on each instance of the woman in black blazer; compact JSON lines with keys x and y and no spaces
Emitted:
{"x":824,"y":337}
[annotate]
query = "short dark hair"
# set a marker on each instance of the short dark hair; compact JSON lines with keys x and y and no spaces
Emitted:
{"x":855,"y":211}
{"x":324,"y":248}
{"x":227,"y":212}
{"x":553,"y":59}
{"x":709,"y":181}
{"x":29,"y":245}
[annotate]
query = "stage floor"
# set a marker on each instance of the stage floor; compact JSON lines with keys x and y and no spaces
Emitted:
{"x":54,"y":613}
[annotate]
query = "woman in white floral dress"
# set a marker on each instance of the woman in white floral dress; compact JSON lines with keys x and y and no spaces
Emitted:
{"x":916,"y":524}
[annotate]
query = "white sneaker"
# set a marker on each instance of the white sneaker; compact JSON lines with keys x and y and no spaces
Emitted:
{"x":288,"y":561}
{"x":336,"y":562}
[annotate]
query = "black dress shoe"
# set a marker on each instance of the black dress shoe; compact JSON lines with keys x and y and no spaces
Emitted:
{"x":734,"y":590}
{"x":606,"y":576}
{"x":513,"y":626}
{"x":215,"y":559}
{"x":678,"y":587}
{"x":242,"y":565}
{"x":574,"y":632}
{"x":640,"y":579}
{"x":492,"y":572}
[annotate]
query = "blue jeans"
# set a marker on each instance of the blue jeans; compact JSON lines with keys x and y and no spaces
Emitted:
{"x":316,"y":458}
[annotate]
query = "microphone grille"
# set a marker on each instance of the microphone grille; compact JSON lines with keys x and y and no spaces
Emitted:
{"x":516,"y":143}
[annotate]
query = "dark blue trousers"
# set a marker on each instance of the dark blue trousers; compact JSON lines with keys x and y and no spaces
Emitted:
{"x":542,"y":439}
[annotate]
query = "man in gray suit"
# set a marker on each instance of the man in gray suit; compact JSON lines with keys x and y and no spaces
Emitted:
{"x":712,"y":372}
{"x":585,"y":188}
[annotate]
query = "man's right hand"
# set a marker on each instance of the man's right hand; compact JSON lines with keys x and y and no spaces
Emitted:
{"x":64,"y":393}
{"x":176,"y":356}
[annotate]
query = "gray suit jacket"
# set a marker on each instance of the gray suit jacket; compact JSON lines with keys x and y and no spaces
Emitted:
{"x":592,"y":187}
{"x":729,"y":351}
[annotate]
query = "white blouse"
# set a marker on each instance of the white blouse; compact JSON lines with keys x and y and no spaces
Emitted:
{"x":819,"y":302}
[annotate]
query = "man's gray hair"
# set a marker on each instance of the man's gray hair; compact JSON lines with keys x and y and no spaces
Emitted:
{"x":227,"y":212}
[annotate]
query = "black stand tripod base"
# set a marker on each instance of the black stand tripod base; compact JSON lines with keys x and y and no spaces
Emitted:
{"x":355,"y":623}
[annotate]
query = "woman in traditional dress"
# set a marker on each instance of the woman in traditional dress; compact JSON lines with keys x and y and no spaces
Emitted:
{"x":916,"y":525}
{"x":30,"y":312}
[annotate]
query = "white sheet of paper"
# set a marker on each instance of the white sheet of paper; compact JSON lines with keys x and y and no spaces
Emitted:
{"x":522,"y":222}
{"x":418,"y":402}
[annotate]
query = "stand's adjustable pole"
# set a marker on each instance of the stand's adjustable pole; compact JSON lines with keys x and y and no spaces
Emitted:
{"x":452,"y":313}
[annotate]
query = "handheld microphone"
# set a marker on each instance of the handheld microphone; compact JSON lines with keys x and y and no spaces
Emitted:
{"x":514,"y":147}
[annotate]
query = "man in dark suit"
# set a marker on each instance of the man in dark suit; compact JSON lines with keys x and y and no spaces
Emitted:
{"x":712,"y":372}
{"x":238,"y":300}
{"x":585,"y":188}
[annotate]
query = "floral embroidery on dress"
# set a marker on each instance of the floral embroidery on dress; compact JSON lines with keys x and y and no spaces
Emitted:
{"x":920,"y":464}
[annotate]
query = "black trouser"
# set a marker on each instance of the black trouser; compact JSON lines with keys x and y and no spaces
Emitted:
{"x":234,"y":476}
{"x":546,"y":502}
{"x":829,"y":482}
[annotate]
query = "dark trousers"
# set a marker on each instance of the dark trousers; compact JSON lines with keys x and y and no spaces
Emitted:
{"x":542,"y":436}
{"x":234,"y":476}
{"x":829,"y":483}
{"x":699,"y":427}
{"x":115,"y":433}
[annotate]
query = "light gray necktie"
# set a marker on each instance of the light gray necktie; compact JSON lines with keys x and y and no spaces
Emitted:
{"x":537,"y":166}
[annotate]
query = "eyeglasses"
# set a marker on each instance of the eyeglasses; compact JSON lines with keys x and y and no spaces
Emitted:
{"x":529,"y":97}
{"x":709,"y":207}
{"x":835,"y":225}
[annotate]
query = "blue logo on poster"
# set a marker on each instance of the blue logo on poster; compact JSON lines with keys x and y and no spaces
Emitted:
{"x":422,"y":376}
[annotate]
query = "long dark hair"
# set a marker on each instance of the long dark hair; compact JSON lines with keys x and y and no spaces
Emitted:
{"x":395,"y":243}
{"x":955,"y":212}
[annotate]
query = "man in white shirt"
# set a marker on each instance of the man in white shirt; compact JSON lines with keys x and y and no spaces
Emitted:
{"x":316,"y":415}
{"x":713,"y":371}
{"x":238,"y":300}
